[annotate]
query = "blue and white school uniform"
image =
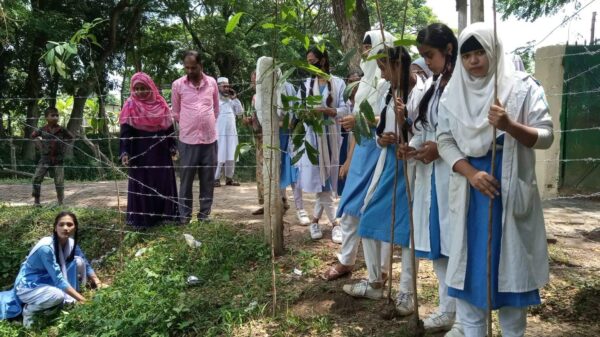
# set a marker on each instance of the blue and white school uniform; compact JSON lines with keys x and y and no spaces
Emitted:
{"x":358,"y":180}
{"x":519,"y":247}
{"x":322,"y":178}
{"x":431,"y":218}
{"x":42,"y":279}
{"x":375,"y":222}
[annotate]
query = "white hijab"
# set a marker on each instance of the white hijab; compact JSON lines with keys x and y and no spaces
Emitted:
{"x":467,"y":99}
{"x":371,"y":74}
{"x":423,"y":65}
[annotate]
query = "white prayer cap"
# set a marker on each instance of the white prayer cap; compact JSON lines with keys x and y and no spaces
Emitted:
{"x":222,"y":80}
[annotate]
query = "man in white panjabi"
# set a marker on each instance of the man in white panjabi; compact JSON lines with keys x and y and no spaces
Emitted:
{"x":227,"y":137}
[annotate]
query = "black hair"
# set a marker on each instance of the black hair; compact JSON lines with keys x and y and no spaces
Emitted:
{"x":325,"y":68}
{"x":50,"y":110}
{"x":471,"y":44}
{"x":401,"y":54}
{"x":55,"y":236}
{"x":367,"y":39}
{"x":438,"y":36}
{"x":194,"y":54}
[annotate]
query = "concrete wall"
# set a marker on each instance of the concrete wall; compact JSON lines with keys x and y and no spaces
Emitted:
{"x":550,"y":72}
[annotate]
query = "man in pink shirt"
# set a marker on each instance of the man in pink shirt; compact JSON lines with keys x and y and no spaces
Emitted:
{"x":195,"y":100}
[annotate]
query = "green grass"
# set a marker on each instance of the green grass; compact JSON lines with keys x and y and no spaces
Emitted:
{"x":149,"y":295}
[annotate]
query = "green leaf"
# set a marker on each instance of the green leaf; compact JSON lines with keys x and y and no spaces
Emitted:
{"x":347,"y":58}
{"x":268,"y":25}
{"x":71,"y":48}
{"x":284,"y":77}
{"x":317,"y":126}
{"x":349,"y":7}
{"x":298,"y":134}
{"x":233,"y":22}
{"x":376,"y":57}
{"x":60,"y":67}
{"x":405,"y":42}
{"x":285,"y":124}
{"x":314,"y":100}
{"x":360,"y":128}
{"x":150,"y":273}
{"x":241,"y":149}
{"x":313,"y":154}
{"x":366,"y":110}
{"x":310,"y":68}
{"x":349,"y":88}
{"x":286,"y":100}
{"x":297,"y":156}
{"x":286,"y":41}
{"x":49,"y":58}
{"x":59,"y":49}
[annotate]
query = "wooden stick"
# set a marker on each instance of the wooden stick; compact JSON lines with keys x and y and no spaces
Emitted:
{"x":417,"y":324}
{"x":491,"y":202}
{"x":393,"y":215}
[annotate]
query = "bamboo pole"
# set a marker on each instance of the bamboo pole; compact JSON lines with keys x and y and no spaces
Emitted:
{"x":491,"y":202}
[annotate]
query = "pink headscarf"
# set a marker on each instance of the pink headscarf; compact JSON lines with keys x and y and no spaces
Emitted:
{"x":151,"y":113}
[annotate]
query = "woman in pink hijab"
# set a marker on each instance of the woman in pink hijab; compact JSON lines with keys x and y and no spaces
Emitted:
{"x":147,"y":144}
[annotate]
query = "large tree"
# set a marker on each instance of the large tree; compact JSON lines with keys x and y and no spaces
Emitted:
{"x":352,"y":19}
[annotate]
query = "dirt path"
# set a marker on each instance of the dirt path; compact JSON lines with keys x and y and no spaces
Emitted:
{"x":575,"y":258}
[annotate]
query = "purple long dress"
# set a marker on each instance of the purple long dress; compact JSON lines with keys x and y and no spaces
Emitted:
{"x":152,"y":191}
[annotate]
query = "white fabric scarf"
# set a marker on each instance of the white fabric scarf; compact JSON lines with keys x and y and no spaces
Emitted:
{"x":468,"y":99}
{"x":371,"y":73}
{"x":329,"y":139}
{"x":62,"y":256}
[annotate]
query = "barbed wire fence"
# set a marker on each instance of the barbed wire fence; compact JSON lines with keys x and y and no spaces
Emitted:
{"x":120,"y":173}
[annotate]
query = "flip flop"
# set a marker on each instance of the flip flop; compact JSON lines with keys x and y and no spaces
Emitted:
{"x":333,"y":273}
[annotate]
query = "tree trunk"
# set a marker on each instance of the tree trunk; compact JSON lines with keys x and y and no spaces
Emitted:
{"x":32,"y":90}
{"x":353,"y":28}
{"x":53,"y":91}
{"x":476,"y":11}
{"x":76,"y":120}
{"x":273,"y":216}
{"x":461,"y":8}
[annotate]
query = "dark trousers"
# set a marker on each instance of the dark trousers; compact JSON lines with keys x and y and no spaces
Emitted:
{"x":200,"y":158}
{"x":57,"y":171}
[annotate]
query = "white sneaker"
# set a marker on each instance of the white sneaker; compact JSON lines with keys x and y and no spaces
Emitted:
{"x":303,"y":217}
{"x":336,"y":234}
{"x":439,"y":321}
{"x":457,"y":331}
{"x":315,"y":231}
{"x":405,"y":303}
{"x":363,"y":289}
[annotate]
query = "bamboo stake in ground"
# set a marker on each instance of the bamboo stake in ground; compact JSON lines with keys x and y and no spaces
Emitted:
{"x":491,"y":202}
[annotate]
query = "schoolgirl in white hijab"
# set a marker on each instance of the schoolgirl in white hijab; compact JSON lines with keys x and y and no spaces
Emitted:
{"x":362,"y":159}
{"x":466,"y":119}
{"x":322,"y":178}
